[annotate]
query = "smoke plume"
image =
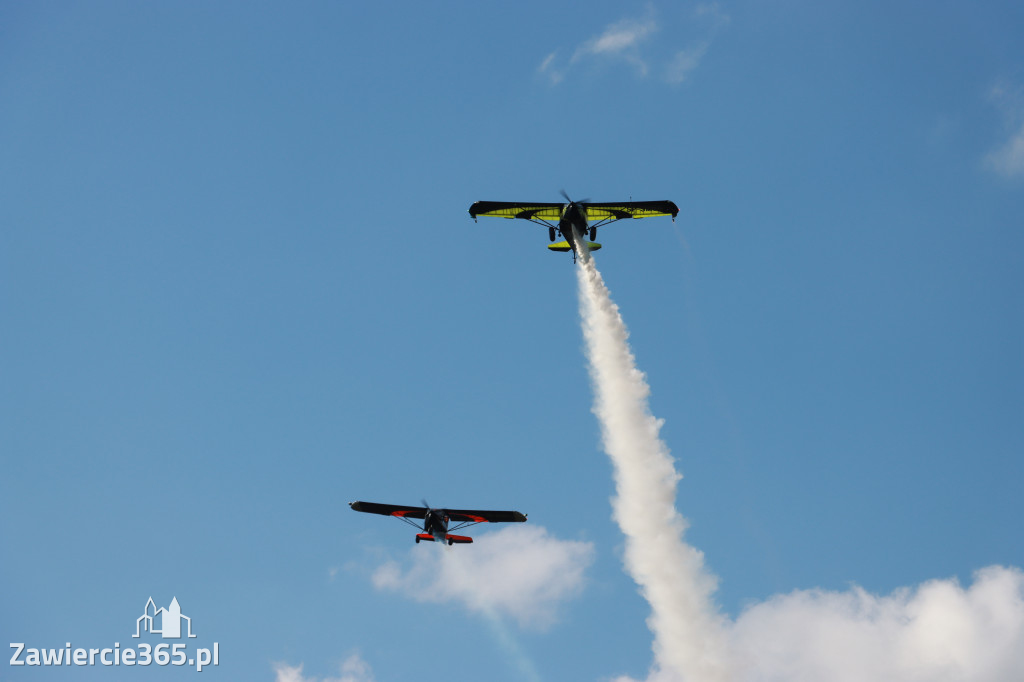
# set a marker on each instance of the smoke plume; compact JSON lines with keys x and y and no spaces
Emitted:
{"x":690,"y":635}
{"x":937,"y":631}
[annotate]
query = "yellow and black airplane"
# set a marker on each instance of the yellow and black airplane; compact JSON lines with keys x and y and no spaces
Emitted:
{"x":573,"y":218}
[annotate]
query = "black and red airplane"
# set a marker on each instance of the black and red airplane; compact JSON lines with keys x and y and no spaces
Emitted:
{"x":435,"y":521}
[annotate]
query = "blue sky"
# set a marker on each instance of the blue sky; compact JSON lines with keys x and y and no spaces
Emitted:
{"x":239,"y":289}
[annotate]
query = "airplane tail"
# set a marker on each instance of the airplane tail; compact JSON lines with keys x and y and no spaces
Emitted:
{"x":563,"y":246}
{"x":452,"y":539}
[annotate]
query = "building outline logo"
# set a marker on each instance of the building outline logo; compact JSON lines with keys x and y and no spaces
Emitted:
{"x":170,"y":620}
{"x":165,"y":622}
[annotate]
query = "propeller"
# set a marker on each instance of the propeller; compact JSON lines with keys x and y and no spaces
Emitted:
{"x":569,"y":199}
{"x":425,"y":503}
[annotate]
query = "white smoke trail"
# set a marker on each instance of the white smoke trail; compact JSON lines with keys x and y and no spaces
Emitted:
{"x":690,"y":635}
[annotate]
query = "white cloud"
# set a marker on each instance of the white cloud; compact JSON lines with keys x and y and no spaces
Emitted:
{"x":1008,"y":158}
{"x":685,"y":62}
{"x":519,"y":571}
{"x":630,"y":41}
{"x":619,"y":38}
{"x":713,"y":12}
{"x":354,"y":669}
{"x":938,"y":631}
{"x":618,"y":42}
{"x":547,"y":67}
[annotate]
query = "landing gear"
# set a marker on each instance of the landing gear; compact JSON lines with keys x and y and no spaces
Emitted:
{"x":450,"y":542}
{"x":593,"y":234}
{"x":551,"y":234}
{"x":417,"y":539}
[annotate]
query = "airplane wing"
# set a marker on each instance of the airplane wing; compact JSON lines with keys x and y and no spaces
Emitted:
{"x":485,"y":516}
{"x":630,"y":209}
{"x":515,"y":209}
{"x":553,"y":211}
{"x":398,"y":510}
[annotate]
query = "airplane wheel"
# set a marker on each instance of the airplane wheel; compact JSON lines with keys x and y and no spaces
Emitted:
{"x":417,"y":541}
{"x":450,"y":542}
{"x":593,"y":233}
{"x":551,"y":234}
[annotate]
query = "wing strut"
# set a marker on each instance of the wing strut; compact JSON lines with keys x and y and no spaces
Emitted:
{"x":411,"y":523}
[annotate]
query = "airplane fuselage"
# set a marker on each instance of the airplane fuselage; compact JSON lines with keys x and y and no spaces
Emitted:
{"x":573,"y":224}
{"x":436,"y":523}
